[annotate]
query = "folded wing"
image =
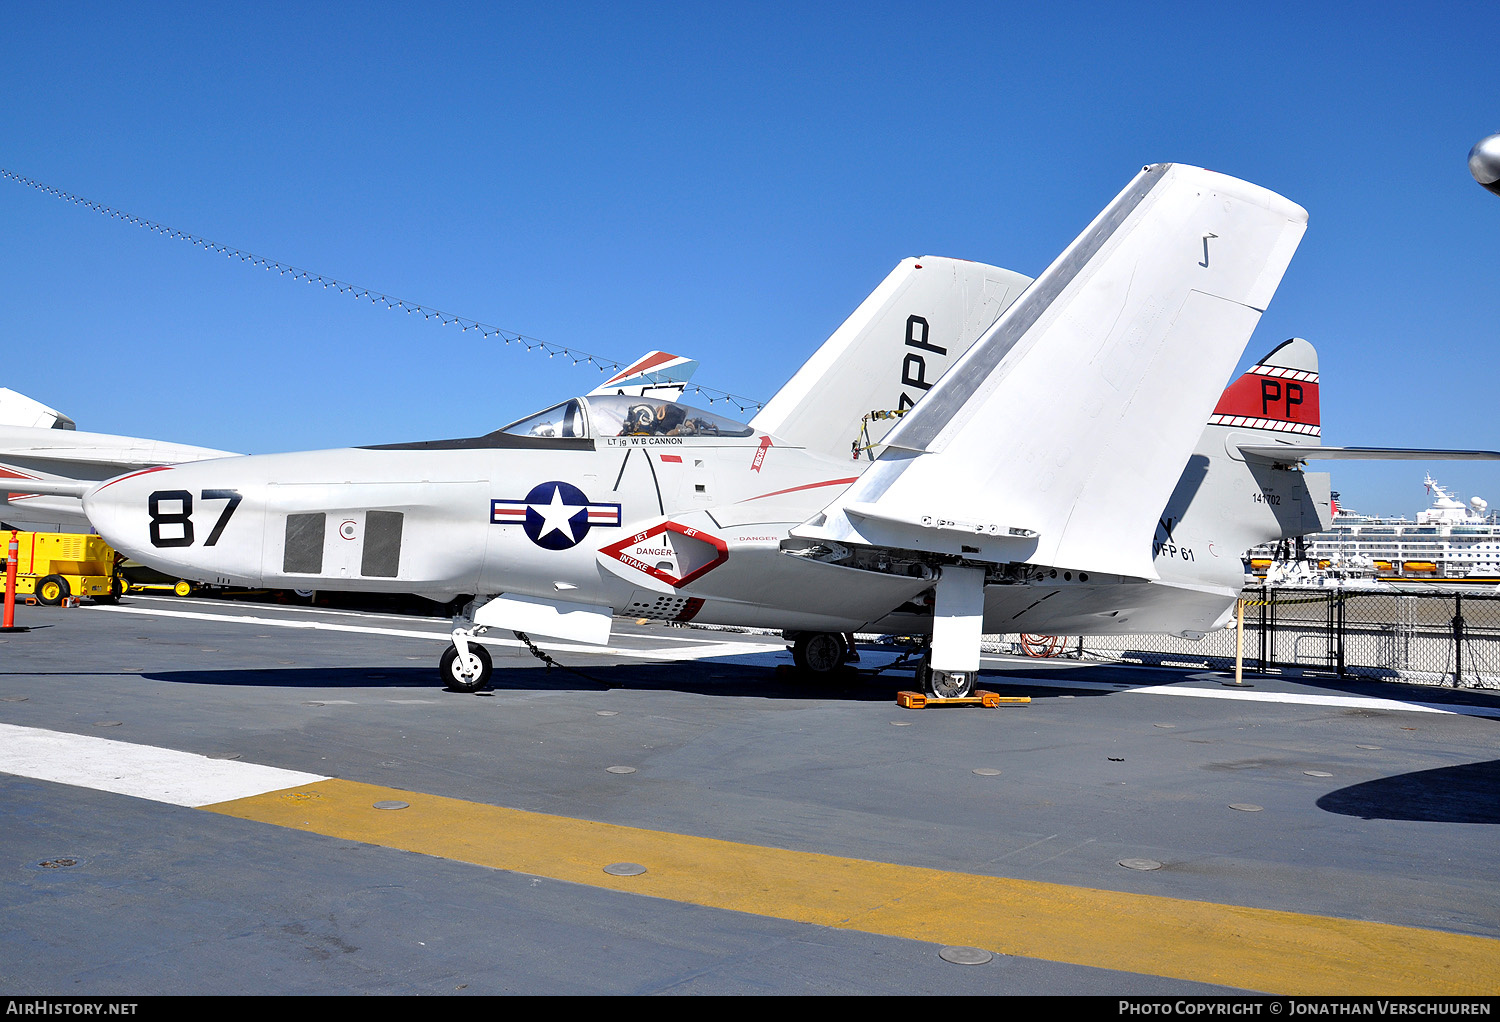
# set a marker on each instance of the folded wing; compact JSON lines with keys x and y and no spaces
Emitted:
{"x":1058,"y":437}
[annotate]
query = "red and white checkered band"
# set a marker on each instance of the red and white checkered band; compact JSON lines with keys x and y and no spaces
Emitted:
{"x":1277,"y":425}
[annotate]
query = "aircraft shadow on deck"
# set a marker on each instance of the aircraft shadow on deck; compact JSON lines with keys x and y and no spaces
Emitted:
{"x":701,"y":677}
{"x":1467,"y":793}
{"x":696,"y":677}
{"x":1041,"y":682}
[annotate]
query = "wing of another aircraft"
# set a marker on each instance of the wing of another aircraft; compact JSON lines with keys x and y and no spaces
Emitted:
{"x":890,"y":352}
{"x":1059,"y":436}
{"x":43,"y":471}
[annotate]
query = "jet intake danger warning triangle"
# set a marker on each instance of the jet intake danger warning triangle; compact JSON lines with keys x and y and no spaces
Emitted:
{"x":671,"y":553}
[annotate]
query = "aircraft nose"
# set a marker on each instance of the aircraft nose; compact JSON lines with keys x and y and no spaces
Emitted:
{"x":176,"y":520}
{"x":121,"y":510}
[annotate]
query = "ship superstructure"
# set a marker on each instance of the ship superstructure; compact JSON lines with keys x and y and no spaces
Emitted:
{"x":1449,"y":540}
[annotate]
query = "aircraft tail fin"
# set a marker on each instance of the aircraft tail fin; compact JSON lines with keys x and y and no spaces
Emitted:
{"x":19,"y":410}
{"x":655,"y":372}
{"x":1059,"y":436}
{"x":1245,"y":484}
{"x":1279,"y":394}
{"x":1229,"y":498}
{"x":890,"y":352}
{"x":1272,"y":411}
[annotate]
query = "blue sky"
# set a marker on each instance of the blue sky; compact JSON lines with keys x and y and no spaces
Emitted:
{"x":726,"y":184}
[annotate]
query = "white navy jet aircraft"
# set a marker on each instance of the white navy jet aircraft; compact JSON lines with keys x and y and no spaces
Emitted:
{"x":1043,"y":427}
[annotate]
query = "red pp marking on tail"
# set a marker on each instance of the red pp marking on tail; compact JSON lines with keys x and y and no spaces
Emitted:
{"x":1272,"y":398}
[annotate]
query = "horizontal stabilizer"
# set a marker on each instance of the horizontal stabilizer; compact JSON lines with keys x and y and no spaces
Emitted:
{"x":1284,"y":453}
{"x":1059,"y":436}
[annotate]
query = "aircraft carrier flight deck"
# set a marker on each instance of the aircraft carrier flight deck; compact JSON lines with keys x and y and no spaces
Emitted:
{"x":205,"y":797}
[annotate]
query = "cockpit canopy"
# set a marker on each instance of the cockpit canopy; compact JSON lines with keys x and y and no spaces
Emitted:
{"x":617,"y":415}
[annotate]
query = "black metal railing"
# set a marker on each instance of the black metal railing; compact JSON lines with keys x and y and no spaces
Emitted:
{"x":1435,"y":637}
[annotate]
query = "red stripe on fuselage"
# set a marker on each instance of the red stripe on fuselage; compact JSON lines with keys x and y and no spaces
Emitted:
{"x":142,"y":472}
{"x":809,"y":486}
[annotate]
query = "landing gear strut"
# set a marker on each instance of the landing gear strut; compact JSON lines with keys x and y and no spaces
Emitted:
{"x":958,"y":618}
{"x":466,"y":665}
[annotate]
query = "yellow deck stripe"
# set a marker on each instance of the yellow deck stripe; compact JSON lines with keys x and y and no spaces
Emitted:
{"x":1249,"y":948}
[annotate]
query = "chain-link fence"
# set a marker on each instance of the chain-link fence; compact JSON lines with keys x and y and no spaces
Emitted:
{"x":1435,"y":637}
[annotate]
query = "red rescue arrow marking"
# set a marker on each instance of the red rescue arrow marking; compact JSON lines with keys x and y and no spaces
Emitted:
{"x":760,"y":455}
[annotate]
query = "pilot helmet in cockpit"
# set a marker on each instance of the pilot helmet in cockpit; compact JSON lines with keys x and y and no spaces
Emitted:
{"x":640,"y":419}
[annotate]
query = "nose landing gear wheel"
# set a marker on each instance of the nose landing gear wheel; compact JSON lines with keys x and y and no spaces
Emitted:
{"x":469,"y":676}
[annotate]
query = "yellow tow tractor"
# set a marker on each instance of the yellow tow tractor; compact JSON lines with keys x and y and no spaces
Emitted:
{"x":182,"y":587}
{"x":53,"y":566}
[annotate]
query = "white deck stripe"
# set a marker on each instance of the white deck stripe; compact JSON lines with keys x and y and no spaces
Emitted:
{"x":144,"y":771}
{"x":179,"y":602}
{"x":700,"y":652}
{"x":1255,"y":695}
{"x":1345,"y":702}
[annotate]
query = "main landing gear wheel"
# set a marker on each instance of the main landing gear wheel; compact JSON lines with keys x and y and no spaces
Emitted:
{"x":52,"y":590}
{"x":819,"y":653}
{"x":470,"y":676}
{"x":945,"y":684}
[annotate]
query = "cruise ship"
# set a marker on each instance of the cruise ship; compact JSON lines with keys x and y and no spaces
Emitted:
{"x":1450,"y":540}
